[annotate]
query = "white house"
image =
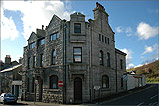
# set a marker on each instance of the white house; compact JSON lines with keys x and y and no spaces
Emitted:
{"x":135,"y":81}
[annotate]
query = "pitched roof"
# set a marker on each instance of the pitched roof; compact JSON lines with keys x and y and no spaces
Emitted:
{"x":11,"y":68}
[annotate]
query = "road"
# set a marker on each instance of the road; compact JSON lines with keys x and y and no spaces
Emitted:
{"x":146,"y":97}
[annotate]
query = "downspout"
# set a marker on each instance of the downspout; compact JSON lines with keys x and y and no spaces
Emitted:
{"x":116,"y":72}
{"x":90,"y":67}
{"x":91,"y":73}
{"x":64,"y":62}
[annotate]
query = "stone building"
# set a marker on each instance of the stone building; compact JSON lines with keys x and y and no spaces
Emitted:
{"x":11,"y":80}
{"x":79,"y":53}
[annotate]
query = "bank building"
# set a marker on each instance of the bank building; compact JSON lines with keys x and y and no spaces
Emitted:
{"x":79,"y":53}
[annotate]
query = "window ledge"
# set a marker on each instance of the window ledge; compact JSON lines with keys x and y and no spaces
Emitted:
{"x":105,"y":89}
{"x":54,"y":90}
{"x":77,"y":34}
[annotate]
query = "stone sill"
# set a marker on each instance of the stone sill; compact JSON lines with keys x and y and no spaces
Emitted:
{"x":105,"y":89}
{"x":55,"y":90}
{"x":78,"y":34}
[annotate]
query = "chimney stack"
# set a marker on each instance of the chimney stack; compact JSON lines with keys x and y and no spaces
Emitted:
{"x":42,"y":27}
{"x":20,"y":60}
{"x":8,"y":60}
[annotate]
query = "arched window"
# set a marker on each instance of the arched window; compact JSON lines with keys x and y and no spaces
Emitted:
{"x":122,"y":82}
{"x":53,"y":82}
{"x":105,"y":81}
{"x":108,"y":59}
{"x":53,"y":57}
{"x":28,"y":84}
{"x":101,"y":57}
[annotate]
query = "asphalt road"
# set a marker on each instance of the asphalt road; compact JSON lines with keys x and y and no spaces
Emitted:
{"x":146,"y":97}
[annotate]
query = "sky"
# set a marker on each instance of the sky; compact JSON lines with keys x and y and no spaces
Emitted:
{"x":135,"y":23}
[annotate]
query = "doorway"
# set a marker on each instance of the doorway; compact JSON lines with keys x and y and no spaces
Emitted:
{"x":40,"y":88}
{"x":78,"y":90}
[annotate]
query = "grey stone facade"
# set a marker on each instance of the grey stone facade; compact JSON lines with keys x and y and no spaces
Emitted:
{"x":87,"y":76}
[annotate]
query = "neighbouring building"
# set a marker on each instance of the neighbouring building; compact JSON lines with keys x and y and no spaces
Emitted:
{"x":8,"y":63}
{"x":11,"y":80}
{"x":134,"y":80}
{"x":79,"y":53}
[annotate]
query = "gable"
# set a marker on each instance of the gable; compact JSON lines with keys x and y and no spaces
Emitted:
{"x":32,"y":37}
{"x":54,"y":22}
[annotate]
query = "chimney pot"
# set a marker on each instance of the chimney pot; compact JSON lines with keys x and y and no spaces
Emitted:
{"x":42,"y":27}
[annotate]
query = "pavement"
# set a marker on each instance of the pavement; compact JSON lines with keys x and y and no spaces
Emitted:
{"x":98,"y":102}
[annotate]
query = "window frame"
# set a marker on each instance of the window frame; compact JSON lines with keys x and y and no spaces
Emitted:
{"x":34,"y":61}
{"x":122,"y":82}
{"x":108,"y":59}
{"x":41,"y":60}
{"x":108,"y":41}
{"x":29,"y":62}
{"x":53,"y":80}
{"x":40,"y":41}
{"x":33,"y":85}
{"x":54,"y":36}
{"x":77,"y":29}
{"x":32,"y":45}
{"x":105,"y":80}
{"x":121,"y":64}
{"x":28,"y":84}
{"x":101,"y":60}
{"x":99,"y":37}
{"x":77,"y":54}
{"x":102,"y":38}
{"x":53,"y":59}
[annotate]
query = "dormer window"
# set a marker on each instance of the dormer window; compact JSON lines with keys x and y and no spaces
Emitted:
{"x":77,"y":27}
{"x":31,"y":45}
{"x":42,"y":41}
{"x":54,"y":36}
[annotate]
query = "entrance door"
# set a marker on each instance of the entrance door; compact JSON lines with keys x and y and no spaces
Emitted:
{"x":40,"y":88}
{"x":78,"y":90}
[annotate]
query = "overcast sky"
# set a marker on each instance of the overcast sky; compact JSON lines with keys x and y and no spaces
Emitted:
{"x":135,"y":24}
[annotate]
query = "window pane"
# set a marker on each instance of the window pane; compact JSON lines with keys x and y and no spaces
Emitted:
{"x":101,"y":57}
{"x":41,"y":60}
{"x":31,"y":45}
{"x":29,"y":61}
{"x":105,"y":81}
{"x":121,"y":64}
{"x":77,"y":58}
{"x":108,"y":40}
{"x":34,"y":61}
{"x":42,"y":41}
{"x":53,"y":57}
{"x":77,"y":51}
{"x":57,"y":35}
{"x":99,"y":37}
{"x":53,"y":82}
{"x":108,"y":59}
{"x":54,"y":36}
{"x":77,"y":28}
{"x":102,"y":38}
{"x":105,"y":40}
{"x":51,"y":37}
{"x":54,"y":53}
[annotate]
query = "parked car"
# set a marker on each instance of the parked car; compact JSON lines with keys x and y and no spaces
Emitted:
{"x":8,"y":98}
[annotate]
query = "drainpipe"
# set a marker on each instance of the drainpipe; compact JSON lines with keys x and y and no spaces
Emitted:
{"x":116,"y":72}
{"x":90,"y":62}
{"x":64,"y":61}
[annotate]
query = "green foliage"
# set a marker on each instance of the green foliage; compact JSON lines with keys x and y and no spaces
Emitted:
{"x":151,"y":71}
